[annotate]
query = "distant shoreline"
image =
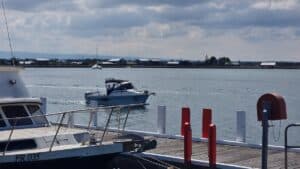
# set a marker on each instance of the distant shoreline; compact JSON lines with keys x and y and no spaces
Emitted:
{"x":211,"y":63}
{"x":168,"y":67}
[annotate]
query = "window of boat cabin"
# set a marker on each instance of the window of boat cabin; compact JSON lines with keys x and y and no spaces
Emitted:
{"x":15,"y":111}
{"x":125,"y":86}
{"x":2,"y":122}
{"x":35,"y":110}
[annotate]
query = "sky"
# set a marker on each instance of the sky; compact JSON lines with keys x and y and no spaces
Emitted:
{"x":243,"y":30}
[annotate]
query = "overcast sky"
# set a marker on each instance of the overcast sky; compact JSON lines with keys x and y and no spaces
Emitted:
{"x":179,"y":29}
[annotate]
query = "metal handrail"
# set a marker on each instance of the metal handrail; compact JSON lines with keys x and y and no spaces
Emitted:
{"x":286,"y":146}
{"x":56,"y":133}
{"x":76,"y":111}
{"x":106,"y":126}
{"x":9,"y":137}
{"x":89,"y":110}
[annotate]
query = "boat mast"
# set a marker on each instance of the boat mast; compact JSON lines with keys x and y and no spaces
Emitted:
{"x":8,"y":35}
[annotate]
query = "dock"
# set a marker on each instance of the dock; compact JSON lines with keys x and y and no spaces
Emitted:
{"x":227,"y":154}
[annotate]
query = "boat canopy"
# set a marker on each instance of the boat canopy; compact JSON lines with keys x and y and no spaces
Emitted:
{"x":112,"y":80}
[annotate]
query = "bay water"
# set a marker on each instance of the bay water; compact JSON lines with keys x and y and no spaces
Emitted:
{"x":225,"y":91}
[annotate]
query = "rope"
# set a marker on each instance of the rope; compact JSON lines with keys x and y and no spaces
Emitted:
{"x":276,"y":139}
{"x":8,"y":35}
{"x":159,"y":163}
{"x":141,"y":164}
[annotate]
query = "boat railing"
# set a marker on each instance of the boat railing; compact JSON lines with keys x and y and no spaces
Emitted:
{"x":91,"y":111}
{"x":286,"y":145}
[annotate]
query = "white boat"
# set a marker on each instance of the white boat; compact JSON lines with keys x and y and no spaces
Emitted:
{"x":96,"y":66}
{"x":29,"y":140}
{"x":118,"y":92}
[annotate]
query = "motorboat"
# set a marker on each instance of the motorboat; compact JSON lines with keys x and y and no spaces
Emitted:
{"x":29,"y":140}
{"x":118,"y":92}
{"x":96,"y":66}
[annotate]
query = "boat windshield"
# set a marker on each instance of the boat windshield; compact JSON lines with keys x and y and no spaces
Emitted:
{"x":124,"y":86}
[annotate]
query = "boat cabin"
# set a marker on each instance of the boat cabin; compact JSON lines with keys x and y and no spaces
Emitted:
{"x":18,"y":112}
{"x":23,"y":125}
{"x":117,"y":85}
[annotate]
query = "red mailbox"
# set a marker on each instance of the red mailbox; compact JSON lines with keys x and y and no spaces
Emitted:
{"x":277,"y":106}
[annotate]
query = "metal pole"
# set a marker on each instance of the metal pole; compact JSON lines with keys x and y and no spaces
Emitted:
{"x":44,"y":105}
{"x":106,"y":126}
{"x":59,"y":126}
{"x":265,"y":134}
{"x":241,"y":126}
{"x":125,"y":121}
{"x":94,"y":114}
{"x":71,"y":120}
{"x":161,"y":119}
{"x":285,"y":147}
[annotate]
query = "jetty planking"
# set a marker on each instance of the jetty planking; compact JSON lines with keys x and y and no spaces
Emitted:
{"x":228,"y":154}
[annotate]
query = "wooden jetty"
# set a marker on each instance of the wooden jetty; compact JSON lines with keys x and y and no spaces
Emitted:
{"x":228,"y":154}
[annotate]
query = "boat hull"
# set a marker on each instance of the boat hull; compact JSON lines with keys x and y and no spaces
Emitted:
{"x":100,"y":161}
{"x":117,"y":100}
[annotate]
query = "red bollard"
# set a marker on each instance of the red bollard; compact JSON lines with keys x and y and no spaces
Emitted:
{"x":185,"y":117}
{"x":206,"y":121}
{"x":187,"y":144}
{"x":212,"y":146}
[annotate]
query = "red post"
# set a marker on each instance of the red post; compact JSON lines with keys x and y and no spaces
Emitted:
{"x":212,"y":146}
{"x":206,"y":121}
{"x":187,"y":144}
{"x":185,"y":117}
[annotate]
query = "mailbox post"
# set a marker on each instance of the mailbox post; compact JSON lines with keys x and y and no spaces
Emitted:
{"x":270,"y":106}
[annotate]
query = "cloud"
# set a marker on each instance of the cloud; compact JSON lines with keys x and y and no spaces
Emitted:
{"x":41,"y":5}
{"x":143,"y":24}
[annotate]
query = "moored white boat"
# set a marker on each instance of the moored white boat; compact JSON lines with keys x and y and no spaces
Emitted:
{"x":29,"y":140}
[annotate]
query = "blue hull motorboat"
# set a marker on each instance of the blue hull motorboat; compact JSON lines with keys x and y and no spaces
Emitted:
{"x":118,"y":92}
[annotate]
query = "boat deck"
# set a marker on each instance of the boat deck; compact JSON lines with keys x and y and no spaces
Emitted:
{"x":243,"y":156}
{"x":28,"y":133}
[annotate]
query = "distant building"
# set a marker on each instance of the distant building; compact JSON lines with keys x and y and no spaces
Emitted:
{"x":144,"y":60}
{"x":268,"y":64}
{"x":29,"y":62}
{"x":42,"y":61}
{"x":235,"y":63}
{"x":117,"y":60}
{"x":76,"y":63}
{"x":173,"y":63}
{"x":107,"y":63}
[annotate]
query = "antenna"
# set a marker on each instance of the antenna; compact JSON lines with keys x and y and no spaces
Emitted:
{"x":96,"y":52}
{"x":8,"y":35}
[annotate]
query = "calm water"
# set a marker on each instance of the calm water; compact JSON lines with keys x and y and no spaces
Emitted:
{"x":225,"y":91}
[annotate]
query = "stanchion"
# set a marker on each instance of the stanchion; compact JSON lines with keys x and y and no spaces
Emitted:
{"x":161,"y":119}
{"x":185,"y":117}
{"x":241,"y":126}
{"x":187,"y":144}
{"x":206,"y":121}
{"x":212,"y":146}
